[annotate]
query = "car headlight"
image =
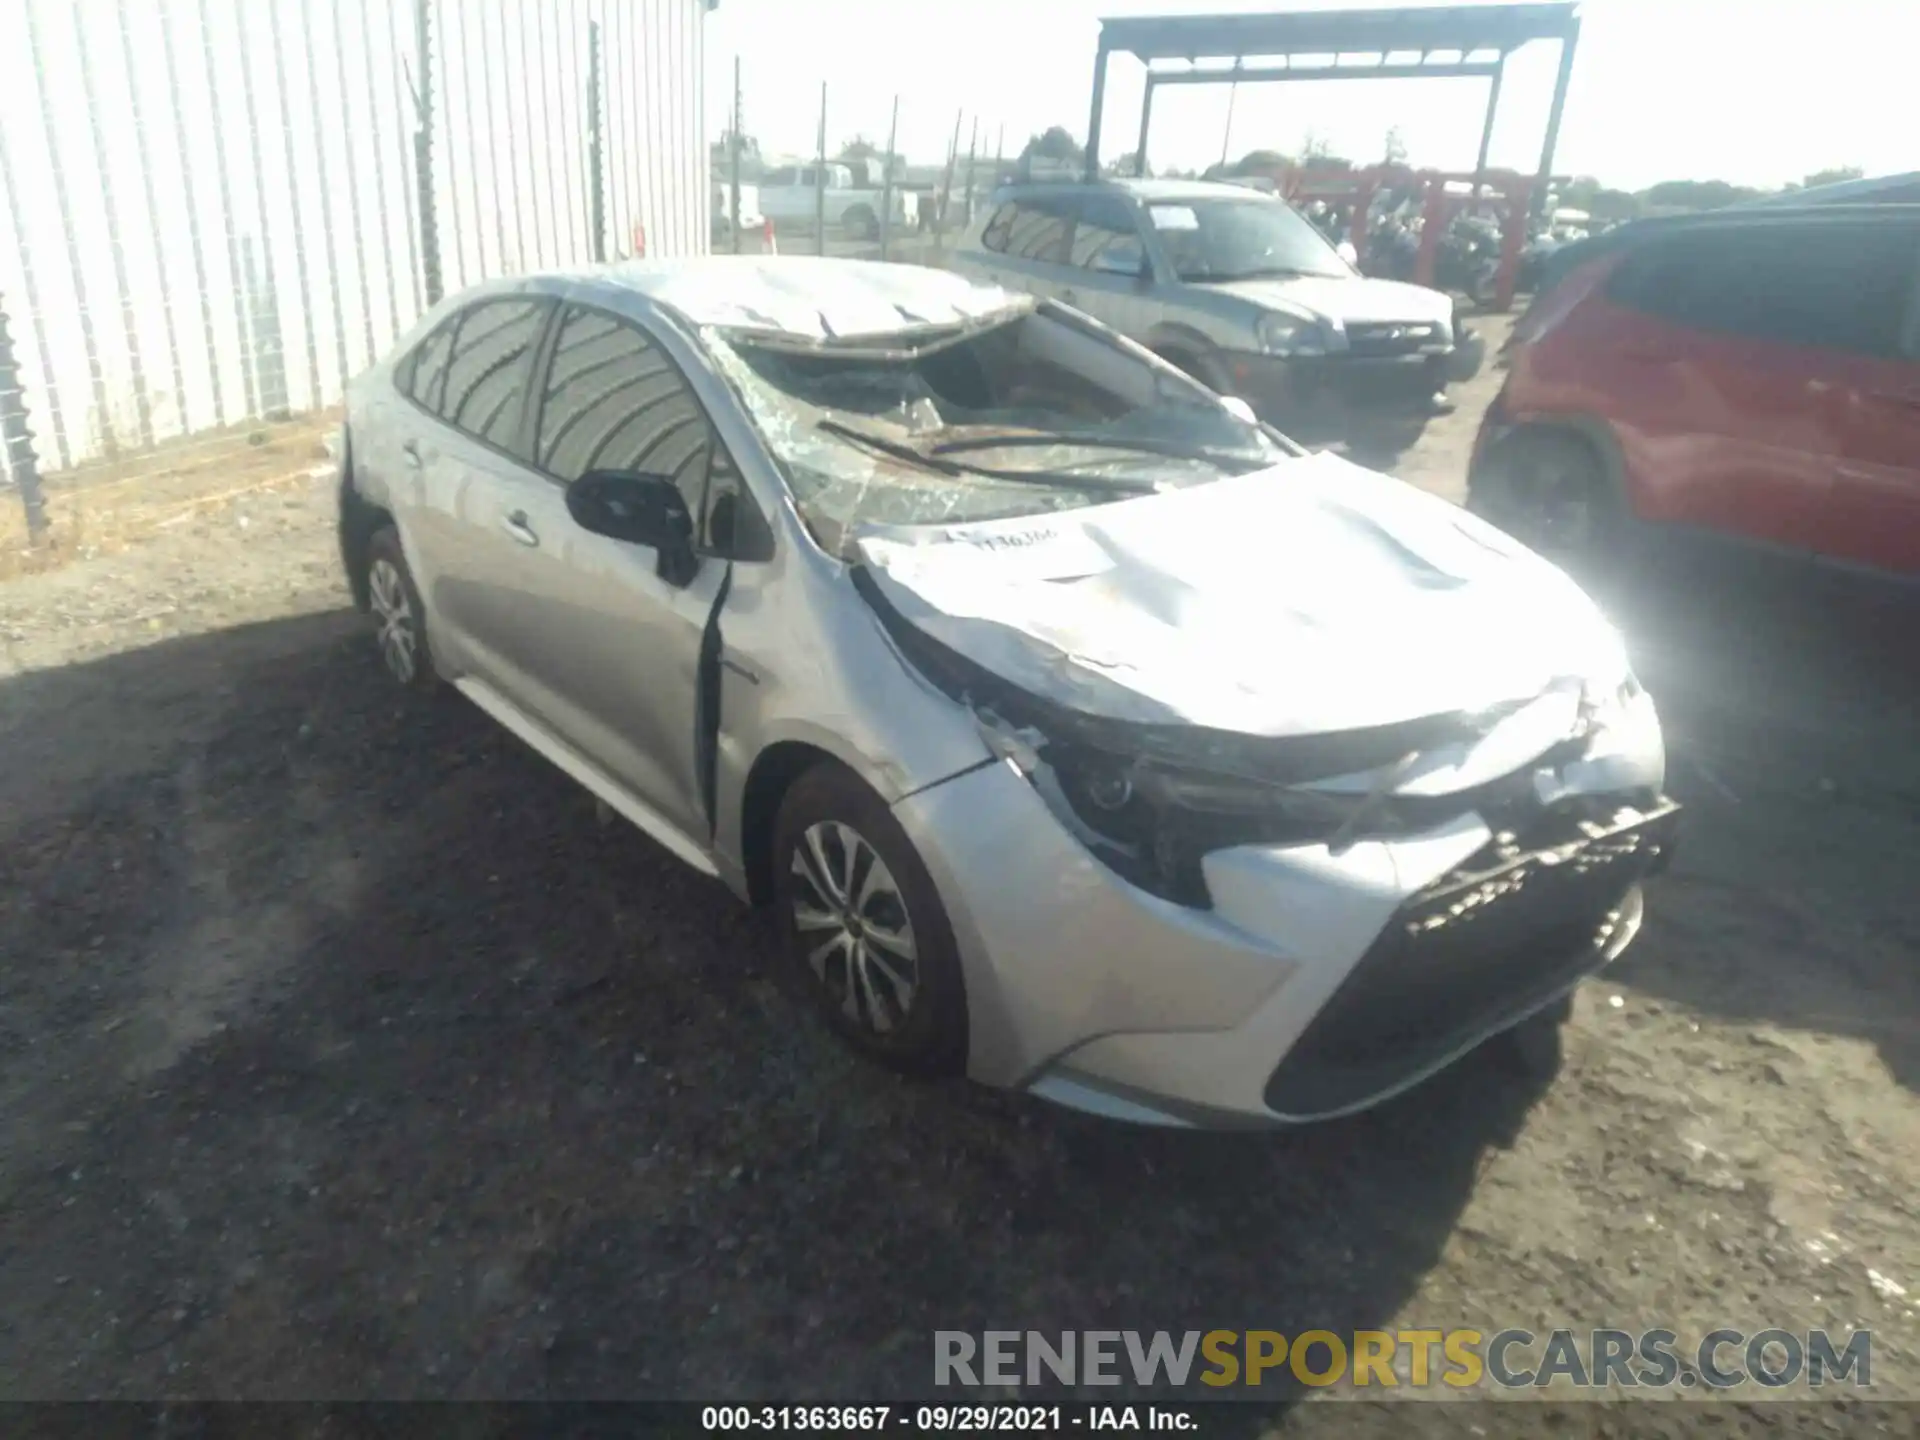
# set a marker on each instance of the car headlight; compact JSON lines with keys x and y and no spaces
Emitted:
{"x":1152,"y":822}
{"x":1281,"y":334}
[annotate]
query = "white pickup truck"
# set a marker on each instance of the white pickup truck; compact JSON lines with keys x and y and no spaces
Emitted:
{"x":853,"y":198}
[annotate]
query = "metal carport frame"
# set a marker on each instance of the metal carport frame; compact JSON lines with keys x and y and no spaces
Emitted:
{"x":1381,"y":40}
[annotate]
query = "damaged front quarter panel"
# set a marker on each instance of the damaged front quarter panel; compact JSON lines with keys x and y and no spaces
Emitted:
{"x":1152,"y":800}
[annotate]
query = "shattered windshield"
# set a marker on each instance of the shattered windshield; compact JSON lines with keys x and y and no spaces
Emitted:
{"x":1026,"y":415}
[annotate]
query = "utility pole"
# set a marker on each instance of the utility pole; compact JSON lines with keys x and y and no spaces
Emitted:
{"x":733,"y":156}
{"x":886,"y":179}
{"x":973,"y":141}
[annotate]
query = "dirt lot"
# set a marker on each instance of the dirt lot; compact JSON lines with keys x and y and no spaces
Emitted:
{"x":344,"y":1054}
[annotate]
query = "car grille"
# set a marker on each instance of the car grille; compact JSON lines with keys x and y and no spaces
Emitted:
{"x":1376,"y":339}
{"x":1490,"y":942}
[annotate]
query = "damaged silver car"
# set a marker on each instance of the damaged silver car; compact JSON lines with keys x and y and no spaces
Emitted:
{"x":1088,"y":736}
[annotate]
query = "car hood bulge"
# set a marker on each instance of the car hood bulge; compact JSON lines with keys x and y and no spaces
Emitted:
{"x":1350,"y":300}
{"x":1308,"y":598}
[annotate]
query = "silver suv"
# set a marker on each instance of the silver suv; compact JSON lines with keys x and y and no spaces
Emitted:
{"x":1084,"y":734}
{"x":1235,"y":287}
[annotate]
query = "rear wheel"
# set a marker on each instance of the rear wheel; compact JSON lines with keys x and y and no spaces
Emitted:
{"x":862,"y":223}
{"x":1550,"y":491}
{"x":399,"y":617}
{"x":865,"y":926}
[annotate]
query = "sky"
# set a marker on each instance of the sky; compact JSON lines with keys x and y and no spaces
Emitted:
{"x":1758,"y":92}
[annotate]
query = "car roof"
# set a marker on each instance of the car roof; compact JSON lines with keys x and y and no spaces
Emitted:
{"x":804,"y":296}
{"x":1888,"y":189}
{"x":1147,"y":191}
{"x":1637,"y":232}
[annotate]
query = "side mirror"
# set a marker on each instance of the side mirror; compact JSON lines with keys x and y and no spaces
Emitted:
{"x":640,"y":509}
{"x":1239,"y":409}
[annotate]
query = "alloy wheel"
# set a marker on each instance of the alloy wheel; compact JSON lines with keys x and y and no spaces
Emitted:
{"x":395,"y":624}
{"x":854,"y":927}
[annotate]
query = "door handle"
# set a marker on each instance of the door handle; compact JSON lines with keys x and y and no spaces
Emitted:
{"x":516,"y":525}
{"x":411,"y":450}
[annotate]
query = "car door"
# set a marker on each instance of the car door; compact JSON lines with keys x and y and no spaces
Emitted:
{"x":1108,"y":254}
{"x":465,"y":477}
{"x":606,"y":649}
{"x":1873,"y":515}
{"x":1698,"y":359}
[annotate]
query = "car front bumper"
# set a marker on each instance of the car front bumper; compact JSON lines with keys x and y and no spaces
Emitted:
{"x":1337,"y":387}
{"x":1317,"y":984}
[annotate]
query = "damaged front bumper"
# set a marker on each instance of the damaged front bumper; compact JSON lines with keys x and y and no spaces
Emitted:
{"x":1317,"y":980}
{"x":1339,"y":387}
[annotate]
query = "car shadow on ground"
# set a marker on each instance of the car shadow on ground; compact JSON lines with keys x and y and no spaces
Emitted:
{"x":1790,"y":703}
{"x":348,"y":1054}
{"x":1379,"y":442}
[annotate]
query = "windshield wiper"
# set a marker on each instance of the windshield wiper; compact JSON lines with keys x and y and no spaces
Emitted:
{"x":921,"y":459}
{"x":1146,"y":444}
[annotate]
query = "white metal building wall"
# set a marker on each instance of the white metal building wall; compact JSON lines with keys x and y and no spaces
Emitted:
{"x":208,"y":208}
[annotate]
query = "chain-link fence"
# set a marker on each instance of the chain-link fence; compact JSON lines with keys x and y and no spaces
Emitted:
{"x":855,"y":197}
{"x":217,"y":212}
{"x":214,"y":213}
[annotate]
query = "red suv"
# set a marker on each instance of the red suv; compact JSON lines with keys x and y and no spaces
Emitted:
{"x":1752,"y":376}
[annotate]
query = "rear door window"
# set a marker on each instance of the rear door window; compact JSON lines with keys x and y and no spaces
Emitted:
{"x":486,"y":382}
{"x":1106,"y":235}
{"x":1030,"y":230}
{"x":1842,"y":287}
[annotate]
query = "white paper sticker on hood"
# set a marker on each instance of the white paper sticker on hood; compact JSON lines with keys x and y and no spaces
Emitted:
{"x":1311,"y":597}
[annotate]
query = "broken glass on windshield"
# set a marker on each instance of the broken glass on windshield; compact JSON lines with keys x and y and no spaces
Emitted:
{"x":1034,"y":413}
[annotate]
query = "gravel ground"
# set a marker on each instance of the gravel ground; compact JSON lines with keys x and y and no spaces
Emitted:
{"x":344,"y":1053}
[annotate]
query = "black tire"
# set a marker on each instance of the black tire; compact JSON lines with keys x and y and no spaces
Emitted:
{"x":399,"y":616}
{"x":921,"y":1029}
{"x":1548,"y":490}
{"x":862,"y":222}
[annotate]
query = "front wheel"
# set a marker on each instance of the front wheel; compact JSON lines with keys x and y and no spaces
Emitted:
{"x":864,"y":925}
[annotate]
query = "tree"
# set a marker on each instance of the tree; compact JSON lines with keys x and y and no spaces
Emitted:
{"x":1123,"y":166}
{"x":1259,"y":162}
{"x":1588,"y":194}
{"x":1835,"y":176}
{"x":1054,"y":149}
{"x":1697,"y":194}
{"x":1055,"y":143}
{"x":860,"y":148}
{"x":722,"y":154}
{"x":1396,"y":151}
{"x":1317,"y":153}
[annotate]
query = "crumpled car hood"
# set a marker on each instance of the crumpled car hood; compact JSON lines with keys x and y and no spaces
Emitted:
{"x":1308,"y":598}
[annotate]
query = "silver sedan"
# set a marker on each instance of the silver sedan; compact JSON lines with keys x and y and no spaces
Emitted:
{"x":1088,"y":736}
